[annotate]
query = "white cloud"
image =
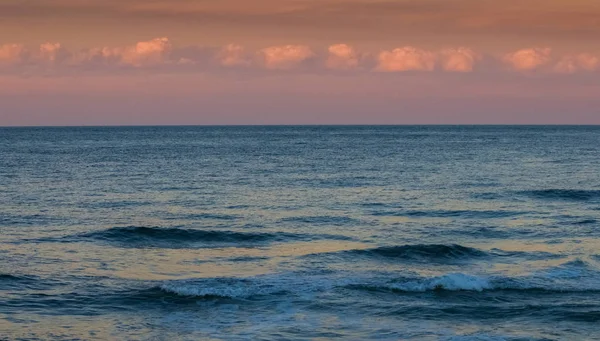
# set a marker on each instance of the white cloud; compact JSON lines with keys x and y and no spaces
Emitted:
{"x":528,"y":59}
{"x":146,"y":53}
{"x":342,"y":57}
{"x":406,"y":59}
{"x":285,"y":57}
{"x":461,"y":59}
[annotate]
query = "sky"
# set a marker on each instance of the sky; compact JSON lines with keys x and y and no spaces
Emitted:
{"x":177,"y":62}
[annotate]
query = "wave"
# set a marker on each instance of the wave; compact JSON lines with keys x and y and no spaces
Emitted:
{"x":575,"y":276}
{"x":26,"y":282}
{"x":219,"y":287}
{"x":7,"y":278}
{"x":470,"y":214}
{"x":244,"y":288}
{"x":140,"y":236}
{"x":443,"y":253}
{"x":576,"y":279}
{"x":29,"y":219}
{"x":564,"y":194}
{"x":170,"y":233}
{"x":321,"y":220}
{"x":486,"y":337}
{"x":176,"y":238}
{"x":201,"y":216}
{"x":586,"y":221}
{"x":422,"y":252}
{"x":452,"y":282}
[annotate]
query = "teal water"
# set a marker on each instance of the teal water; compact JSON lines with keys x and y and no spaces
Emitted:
{"x":300,"y":233}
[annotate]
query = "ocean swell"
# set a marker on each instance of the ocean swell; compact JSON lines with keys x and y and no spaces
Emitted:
{"x":423,"y":252}
{"x":174,"y":238}
{"x":243,"y":288}
{"x":564,"y":194}
{"x":444,"y":253}
{"x":574,"y":276}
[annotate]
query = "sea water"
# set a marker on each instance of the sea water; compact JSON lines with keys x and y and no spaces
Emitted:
{"x":300,"y":233}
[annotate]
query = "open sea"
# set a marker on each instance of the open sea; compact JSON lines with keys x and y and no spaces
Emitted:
{"x":300,"y":233}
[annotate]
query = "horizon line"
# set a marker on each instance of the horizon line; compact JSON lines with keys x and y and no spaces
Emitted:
{"x":308,"y":125}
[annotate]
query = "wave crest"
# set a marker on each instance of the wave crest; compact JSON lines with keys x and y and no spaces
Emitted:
{"x":452,"y":282}
{"x":564,"y":194}
{"x":139,"y":236}
{"x":573,"y":276}
{"x":423,"y":251}
{"x":444,"y":253}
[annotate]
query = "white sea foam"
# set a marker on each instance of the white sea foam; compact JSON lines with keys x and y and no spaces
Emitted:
{"x":215,"y":287}
{"x":571,"y":276}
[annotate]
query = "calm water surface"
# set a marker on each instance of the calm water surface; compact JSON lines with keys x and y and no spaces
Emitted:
{"x":300,"y":233}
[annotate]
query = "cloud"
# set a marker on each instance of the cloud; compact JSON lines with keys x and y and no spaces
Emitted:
{"x":406,"y":59}
{"x":146,"y":53}
{"x":194,"y":55}
{"x":233,"y":55}
{"x":53,"y":53}
{"x":46,"y":54}
{"x":12,"y":53}
{"x":97,"y":56}
{"x":528,"y":59}
{"x":160,"y":56}
{"x":342,"y":57}
{"x":576,"y":63}
{"x":143,"y":53}
{"x":285,"y":57}
{"x":461,"y":59}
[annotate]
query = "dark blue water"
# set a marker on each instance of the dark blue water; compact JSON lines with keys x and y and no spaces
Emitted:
{"x":300,"y":233}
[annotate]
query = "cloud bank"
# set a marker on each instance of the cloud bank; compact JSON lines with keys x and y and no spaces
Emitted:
{"x":161,"y":54}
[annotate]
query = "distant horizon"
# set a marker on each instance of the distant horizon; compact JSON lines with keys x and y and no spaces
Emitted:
{"x":305,"y":125}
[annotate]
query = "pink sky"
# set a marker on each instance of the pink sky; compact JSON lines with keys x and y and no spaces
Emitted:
{"x":85,"y":62}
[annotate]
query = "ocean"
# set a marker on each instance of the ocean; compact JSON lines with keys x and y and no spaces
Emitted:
{"x":300,"y":233}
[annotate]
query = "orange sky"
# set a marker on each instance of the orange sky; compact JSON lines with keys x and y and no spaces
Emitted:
{"x":399,"y":61}
{"x":487,"y":24}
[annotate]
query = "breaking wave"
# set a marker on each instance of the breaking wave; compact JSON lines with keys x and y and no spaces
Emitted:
{"x":574,"y":276}
{"x":241,"y":288}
